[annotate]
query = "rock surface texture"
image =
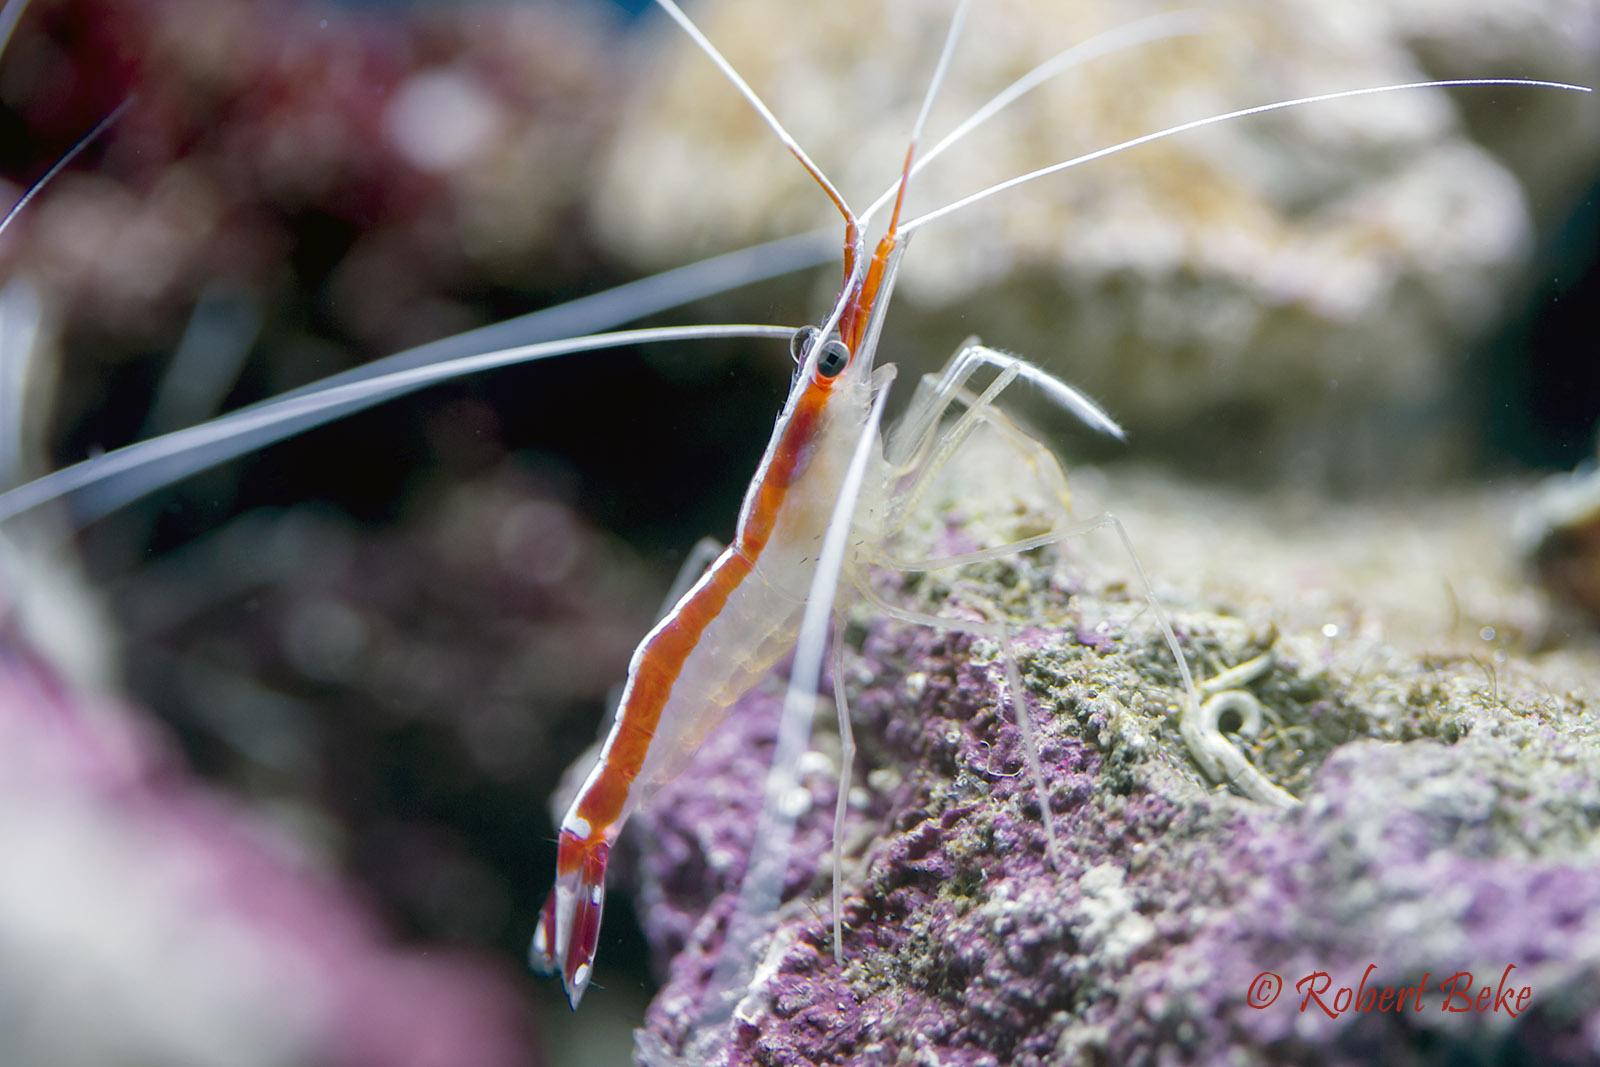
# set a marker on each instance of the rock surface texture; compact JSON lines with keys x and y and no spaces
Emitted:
{"x":1446,"y":842}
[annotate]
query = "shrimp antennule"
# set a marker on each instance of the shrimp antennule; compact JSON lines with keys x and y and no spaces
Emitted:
{"x":66,"y":160}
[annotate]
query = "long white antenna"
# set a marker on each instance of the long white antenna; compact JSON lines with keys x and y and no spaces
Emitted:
{"x":100,"y":485}
{"x":1160,"y":27}
{"x":61,"y":164}
{"x":1260,"y":109}
{"x":106,"y":482}
{"x":605,"y":310}
{"x":9,"y":14}
{"x":952,"y":37}
{"x":756,"y":102}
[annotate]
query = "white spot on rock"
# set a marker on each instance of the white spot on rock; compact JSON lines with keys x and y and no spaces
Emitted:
{"x":1114,"y":927}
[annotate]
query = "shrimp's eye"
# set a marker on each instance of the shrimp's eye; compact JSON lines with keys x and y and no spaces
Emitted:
{"x":800,"y":344}
{"x":833,"y":359}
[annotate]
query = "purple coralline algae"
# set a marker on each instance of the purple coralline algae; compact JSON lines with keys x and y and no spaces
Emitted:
{"x":1436,"y":898}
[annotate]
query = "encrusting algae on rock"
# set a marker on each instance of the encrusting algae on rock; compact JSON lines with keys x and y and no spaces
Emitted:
{"x":1447,"y":832}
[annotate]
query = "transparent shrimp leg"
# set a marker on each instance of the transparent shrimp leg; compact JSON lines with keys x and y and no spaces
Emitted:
{"x":923,"y":452}
{"x":918,"y":449}
{"x":934,"y":396}
{"x":847,"y":759}
{"x":1197,"y":724}
{"x":917,"y":429}
{"x":762,"y":885}
{"x":921,"y":449}
{"x":1016,"y":691}
{"x":1035,"y":456}
{"x":1221,"y":761}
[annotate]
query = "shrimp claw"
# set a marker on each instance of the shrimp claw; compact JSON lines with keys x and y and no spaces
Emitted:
{"x":569,"y":923}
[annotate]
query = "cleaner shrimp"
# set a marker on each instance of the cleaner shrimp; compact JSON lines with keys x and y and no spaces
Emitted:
{"x":829,"y":483}
{"x":779,"y":581}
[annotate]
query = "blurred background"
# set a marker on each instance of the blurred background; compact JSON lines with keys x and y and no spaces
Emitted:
{"x":321,"y":694}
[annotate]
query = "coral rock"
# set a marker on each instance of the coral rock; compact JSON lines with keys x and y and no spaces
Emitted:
{"x":1446,"y":843}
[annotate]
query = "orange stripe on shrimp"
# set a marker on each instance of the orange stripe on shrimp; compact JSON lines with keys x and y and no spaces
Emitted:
{"x":568,"y":928}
